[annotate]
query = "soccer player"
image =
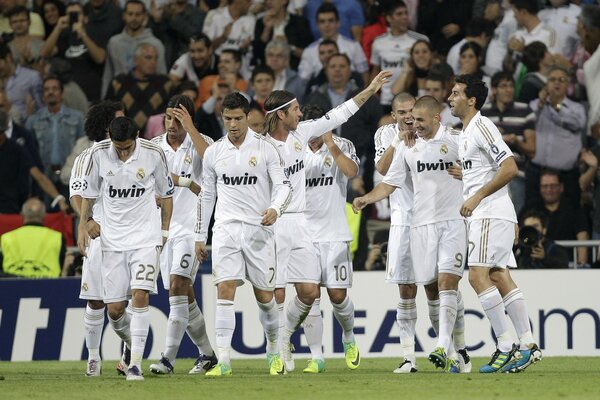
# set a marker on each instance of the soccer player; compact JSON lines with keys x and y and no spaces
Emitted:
{"x":184,"y":148}
{"x":330,"y":162}
{"x":96,"y":125}
{"x":437,"y":232}
{"x":487,"y":167}
{"x":296,"y":259}
{"x":126,"y":173}
{"x":243,"y":174}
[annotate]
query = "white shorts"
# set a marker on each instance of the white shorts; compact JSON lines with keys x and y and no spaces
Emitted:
{"x":178,"y":257}
{"x":296,"y":258}
{"x":91,"y":273}
{"x":243,"y":251}
{"x":123,"y":271}
{"x":490,"y":242}
{"x":335,"y":263}
{"x":439,"y":247}
{"x":399,"y":267}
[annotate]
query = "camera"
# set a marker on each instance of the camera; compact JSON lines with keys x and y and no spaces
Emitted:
{"x":529,"y":236}
{"x":73,"y":17}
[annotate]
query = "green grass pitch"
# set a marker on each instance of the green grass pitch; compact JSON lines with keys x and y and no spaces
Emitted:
{"x":552,"y":378}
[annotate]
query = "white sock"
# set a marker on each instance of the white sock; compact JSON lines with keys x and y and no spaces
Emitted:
{"x":140,"y":324}
{"x":296,"y":313}
{"x":492,"y":304}
{"x":434,"y":315}
{"x":281,"y":328}
{"x":269,"y":318}
{"x":224,"y":327}
{"x":459,"y":326}
{"x":313,"y":330}
{"x":448,"y":305}
{"x":178,"y":320}
{"x":93,"y":321}
{"x":196,"y":330}
{"x":514,"y":302}
{"x":406,"y":317}
{"x":344,"y":313}
{"x":121,"y":327}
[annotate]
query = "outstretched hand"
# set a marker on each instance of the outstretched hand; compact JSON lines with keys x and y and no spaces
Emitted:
{"x":381,"y":79}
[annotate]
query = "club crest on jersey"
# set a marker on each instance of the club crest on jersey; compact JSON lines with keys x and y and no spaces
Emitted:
{"x":140,"y":174}
{"x":465,"y":145}
{"x":84,"y":287}
{"x":298,"y":147}
{"x":444,"y":149}
{"x":187,"y":159}
{"x":328,"y":161}
{"x":253,"y":161}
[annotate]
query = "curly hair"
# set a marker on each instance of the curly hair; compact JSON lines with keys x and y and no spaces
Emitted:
{"x":99,"y":117}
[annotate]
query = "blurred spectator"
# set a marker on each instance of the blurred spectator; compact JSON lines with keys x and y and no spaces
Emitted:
{"x":52,"y":10}
{"x":121,"y":48}
{"x":351,"y":17}
{"x":506,"y":25}
{"x":590,"y":179}
{"x":198,"y":62}
{"x":443,"y":21}
{"x":590,"y":24}
{"x":156,"y":123}
{"x":516,"y":122}
{"x":56,"y":128}
{"x":262,"y":83}
{"x":228,"y":68}
{"x":565,"y":221}
{"x":559,"y":128}
{"x":393,"y":51}
{"x":33,"y":251}
{"x":208,"y":117}
{"x":277,"y":55}
{"x":415,"y":70}
{"x":328,"y":22}
{"x":478,"y":30}
{"x":175,"y":22}
{"x":143,"y":83}
{"x":23,"y":85}
{"x":537,"y":59}
{"x":35,"y":29}
{"x":256,"y":117}
{"x":73,"y":95}
{"x":24,"y":47}
{"x":436,"y":86}
{"x":278,"y":24}
{"x":378,"y":251}
{"x":375,"y":26}
{"x":562,"y":16}
{"x":534,"y":249}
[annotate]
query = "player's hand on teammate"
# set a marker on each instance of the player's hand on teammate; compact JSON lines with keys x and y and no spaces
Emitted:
{"x":408,"y":136}
{"x":455,"y":171}
{"x":269,"y":217}
{"x":201,"y":252}
{"x":359,"y":203}
{"x":466,"y":210}
{"x":381,"y":79}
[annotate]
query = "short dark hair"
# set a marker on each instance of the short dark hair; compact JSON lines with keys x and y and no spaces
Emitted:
{"x":474,"y":87}
{"x":200,"y":37}
{"x":186,"y":85}
{"x":235,"y":100}
{"x":537,"y":214}
{"x":533,"y":53}
{"x":501,"y":76}
{"x":394,"y":5}
{"x":98,"y":118}
{"x":122,"y":129}
{"x":311,"y":111}
{"x":429,"y":103}
{"x":16,"y":11}
{"x":140,"y":2}
{"x":433,"y":76}
{"x":328,"y":8}
{"x":473,"y":46}
{"x":262,"y":69}
{"x":531,"y":6}
{"x":551,"y":172}
{"x":237,"y":56}
{"x":342,"y":55}
{"x":330,"y":42}
{"x":54,"y":78}
{"x":179,"y":99}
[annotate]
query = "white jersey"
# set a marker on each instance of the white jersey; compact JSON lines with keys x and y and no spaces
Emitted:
{"x":564,"y":21}
{"x":326,"y":188}
{"x":498,"y":47}
{"x":310,"y":65}
{"x":127,"y":193}
{"x":293,"y":149}
{"x":437,"y":195}
{"x":186,"y":163}
{"x":183,"y":68}
{"x":244,"y":179}
{"x":77,"y":183}
{"x":389,"y":52}
{"x":482,"y":150}
{"x":401,"y":200}
{"x":541,"y":33}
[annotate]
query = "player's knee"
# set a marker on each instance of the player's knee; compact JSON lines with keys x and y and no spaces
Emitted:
{"x":280,"y":296}
{"x":115,"y":311}
{"x":337,"y":296}
{"x":96,"y":304}
{"x":408,"y":291}
{"x":179,"y":285}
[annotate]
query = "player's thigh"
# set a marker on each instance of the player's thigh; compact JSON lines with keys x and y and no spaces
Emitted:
{"x":183,"y":262}
{"x":91,"y":274}
{"x":424,"y":242}
{"x":490,"y":242}
{"x":227,"y":260}
{"x":259,"y":257}
{"x":144,"y":265}
{"x":166,"y":262}
{"x":399,"y":264}
{"x":303,"y":266}
{"x":336,"y":264}
{"x":116,"y":276}
{"x":452,"y":250}
{"x":284,"y":240}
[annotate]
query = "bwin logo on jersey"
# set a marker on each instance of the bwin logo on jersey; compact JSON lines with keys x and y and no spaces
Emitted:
{"x":321,"y":181}
{"x":240,"y":180}
{"x":292,"y":169}
{"x":466,"y":164}
{"x":438,"y":166}
{"x":133,"y":191}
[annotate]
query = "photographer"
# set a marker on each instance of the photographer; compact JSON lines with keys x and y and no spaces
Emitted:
{"x":377,"y":251}
{"x":534,"y":250}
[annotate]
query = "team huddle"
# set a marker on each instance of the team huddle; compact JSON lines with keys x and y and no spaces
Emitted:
{"x":278,"y":201}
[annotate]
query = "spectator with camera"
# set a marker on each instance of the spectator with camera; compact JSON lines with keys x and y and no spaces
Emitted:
{"x":534,"y":249}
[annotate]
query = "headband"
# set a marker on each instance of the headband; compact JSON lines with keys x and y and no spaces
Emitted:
{"x":281,"y":106}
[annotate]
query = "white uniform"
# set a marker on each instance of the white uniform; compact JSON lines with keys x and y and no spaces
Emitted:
{"x":491,"y":227}
{"x":399,"y":262}
{"x":389,"y":52}
{"x":131,"y":228}
{"x":310,"y":65}
{"x":183,"y":68}
{"x":326,"y":188}
{"x":498,"y":47}
{"x":564,"y":21}
{"x":541,"y":33}
{"x":438,"y":237}
{"x":177,"y":256}
{"x":296,"y":259}
{"x":91,"y":274}
{"x":247,"y":181}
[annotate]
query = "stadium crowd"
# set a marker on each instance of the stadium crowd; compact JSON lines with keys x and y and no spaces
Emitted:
{"x":539,"y":58}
